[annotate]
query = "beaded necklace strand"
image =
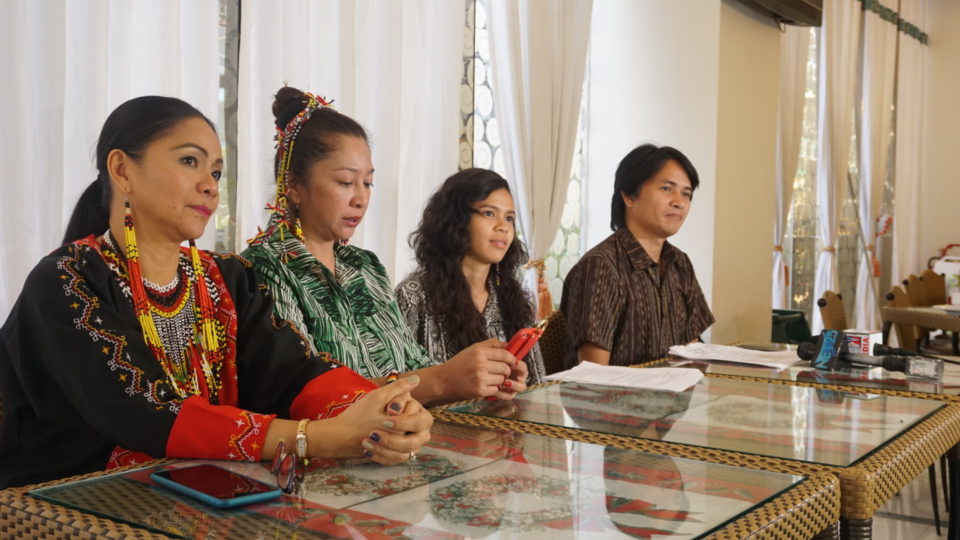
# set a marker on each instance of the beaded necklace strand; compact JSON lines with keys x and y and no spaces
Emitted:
{"x":205,"y":353}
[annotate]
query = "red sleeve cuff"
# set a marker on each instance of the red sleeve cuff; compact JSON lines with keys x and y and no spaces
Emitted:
{"x":330,"y":394}
{"x":207,"y":431}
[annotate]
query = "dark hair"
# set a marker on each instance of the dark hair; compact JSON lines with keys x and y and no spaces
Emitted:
{"x":442,"y":240}
{"x":131,"y":127}
{"x":639,"y":166}
{"x":318,"y":136}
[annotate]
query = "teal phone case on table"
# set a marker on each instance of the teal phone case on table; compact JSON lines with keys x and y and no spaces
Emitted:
{"x":265,"y":491}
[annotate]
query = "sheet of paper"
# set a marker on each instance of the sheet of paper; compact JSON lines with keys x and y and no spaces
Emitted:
{"x":726,"y":353}
{"x":672,"y":379}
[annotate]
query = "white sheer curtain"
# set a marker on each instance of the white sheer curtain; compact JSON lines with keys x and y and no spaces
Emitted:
{"x":66,"y":65}
{"x":538,"y":51}
{"x":879,"y":66}
{"x":794,"y":54}
{"x":395,"y":67}
{"x":839,"y":39}
{"x":911,"y":77}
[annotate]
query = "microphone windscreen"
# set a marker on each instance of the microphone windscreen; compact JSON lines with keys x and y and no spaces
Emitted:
{"x":807,"y":350}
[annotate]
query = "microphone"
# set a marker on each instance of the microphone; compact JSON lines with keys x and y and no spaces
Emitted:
{"x":879,"y":349}
{"x":825,"y":353}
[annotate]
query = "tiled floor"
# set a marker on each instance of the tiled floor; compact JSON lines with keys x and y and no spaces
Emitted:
{"x":909,"y":515}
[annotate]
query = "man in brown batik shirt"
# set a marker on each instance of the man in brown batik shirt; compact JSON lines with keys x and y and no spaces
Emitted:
{"x":635,"y":295}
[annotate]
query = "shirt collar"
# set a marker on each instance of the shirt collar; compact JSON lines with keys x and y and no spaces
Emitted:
{"x":638,"y":256}
{"x":295,"y":249}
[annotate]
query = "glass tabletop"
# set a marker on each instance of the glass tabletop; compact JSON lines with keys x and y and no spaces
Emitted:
{"x":875,"y":378}
{"x":468,"y":482}
{"x":806,"y":424}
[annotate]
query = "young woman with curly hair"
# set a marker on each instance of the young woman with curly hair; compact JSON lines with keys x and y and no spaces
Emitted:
{"x":467,"y":285}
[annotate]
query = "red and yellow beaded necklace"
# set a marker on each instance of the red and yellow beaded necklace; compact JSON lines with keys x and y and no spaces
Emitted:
{"x":197,"y":370}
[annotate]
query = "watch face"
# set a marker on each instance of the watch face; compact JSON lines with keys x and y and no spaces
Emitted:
{"x":301,"y":445}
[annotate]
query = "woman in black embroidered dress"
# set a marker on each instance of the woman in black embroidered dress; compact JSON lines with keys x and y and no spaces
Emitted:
{"x":125,"y":346}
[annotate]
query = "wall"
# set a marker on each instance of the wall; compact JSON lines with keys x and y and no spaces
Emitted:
{"x":715,"y":99}
{"x":746,"y":150}
{"x":940,"y":184}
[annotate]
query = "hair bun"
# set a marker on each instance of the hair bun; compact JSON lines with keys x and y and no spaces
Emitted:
{"x":286,"y":104}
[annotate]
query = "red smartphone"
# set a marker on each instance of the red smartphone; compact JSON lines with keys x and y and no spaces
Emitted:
{"x":524,"y":340}
{"x":521,"y":343}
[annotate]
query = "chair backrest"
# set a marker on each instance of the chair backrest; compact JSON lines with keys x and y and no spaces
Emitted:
{"x":916,"y":290}
{"x":832,"y":312}
{"x":554,"y":343}
{"x":936,"y":285}
{"x":789,"y":326}
{"x":907,"y":335}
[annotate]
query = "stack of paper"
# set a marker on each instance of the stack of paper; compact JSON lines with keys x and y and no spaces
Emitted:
{"x":672,"y":379}
{"x":726,"y":353}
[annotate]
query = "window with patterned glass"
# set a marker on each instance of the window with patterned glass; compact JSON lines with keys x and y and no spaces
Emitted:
{"x":802,"y":233}
{"x":802,"y":242}
{"x":480,"y":144}
{"x":229,"y":42}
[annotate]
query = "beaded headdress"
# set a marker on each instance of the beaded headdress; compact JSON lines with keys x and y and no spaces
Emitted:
{"x":281,"y":219}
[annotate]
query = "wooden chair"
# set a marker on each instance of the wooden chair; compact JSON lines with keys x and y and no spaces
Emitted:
{"x":554,"y":343}
{"x":921,"y":296}
{"x":916,"y":290}
{"x":936,"y":286}
{"x":832,"y":312}
{"x":907,"y":335}
{"x":911,"y":337}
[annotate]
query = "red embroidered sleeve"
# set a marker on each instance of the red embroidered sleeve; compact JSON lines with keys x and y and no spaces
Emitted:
{"x":330,"y":394}
{"x":202,"y":430}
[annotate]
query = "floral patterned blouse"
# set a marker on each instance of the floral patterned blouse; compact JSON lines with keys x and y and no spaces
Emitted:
{"x":432,"y":336}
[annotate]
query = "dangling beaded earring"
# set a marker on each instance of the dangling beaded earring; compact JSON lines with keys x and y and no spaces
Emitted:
{"x":297,"y":228}
{"x":136,"y":279}
{"x":496,"y":275}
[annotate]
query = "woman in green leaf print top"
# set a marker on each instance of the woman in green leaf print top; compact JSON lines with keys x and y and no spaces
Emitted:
{"x":339,"y":295}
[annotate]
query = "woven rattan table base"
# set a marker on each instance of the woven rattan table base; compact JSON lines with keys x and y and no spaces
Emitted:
{"x":840,"y":386}
{"x":924,"y":318}
{"x":864,"y":486}
{"x":24,"y":516}
{"x":800,"y":512}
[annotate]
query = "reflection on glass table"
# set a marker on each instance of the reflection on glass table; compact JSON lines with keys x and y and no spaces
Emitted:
{"x":860,"y":377}
{"x":829,"y":428}
{"x":469,"y":482}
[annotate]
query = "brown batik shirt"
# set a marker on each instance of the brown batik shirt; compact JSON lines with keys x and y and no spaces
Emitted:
{"x":619,"y":299}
